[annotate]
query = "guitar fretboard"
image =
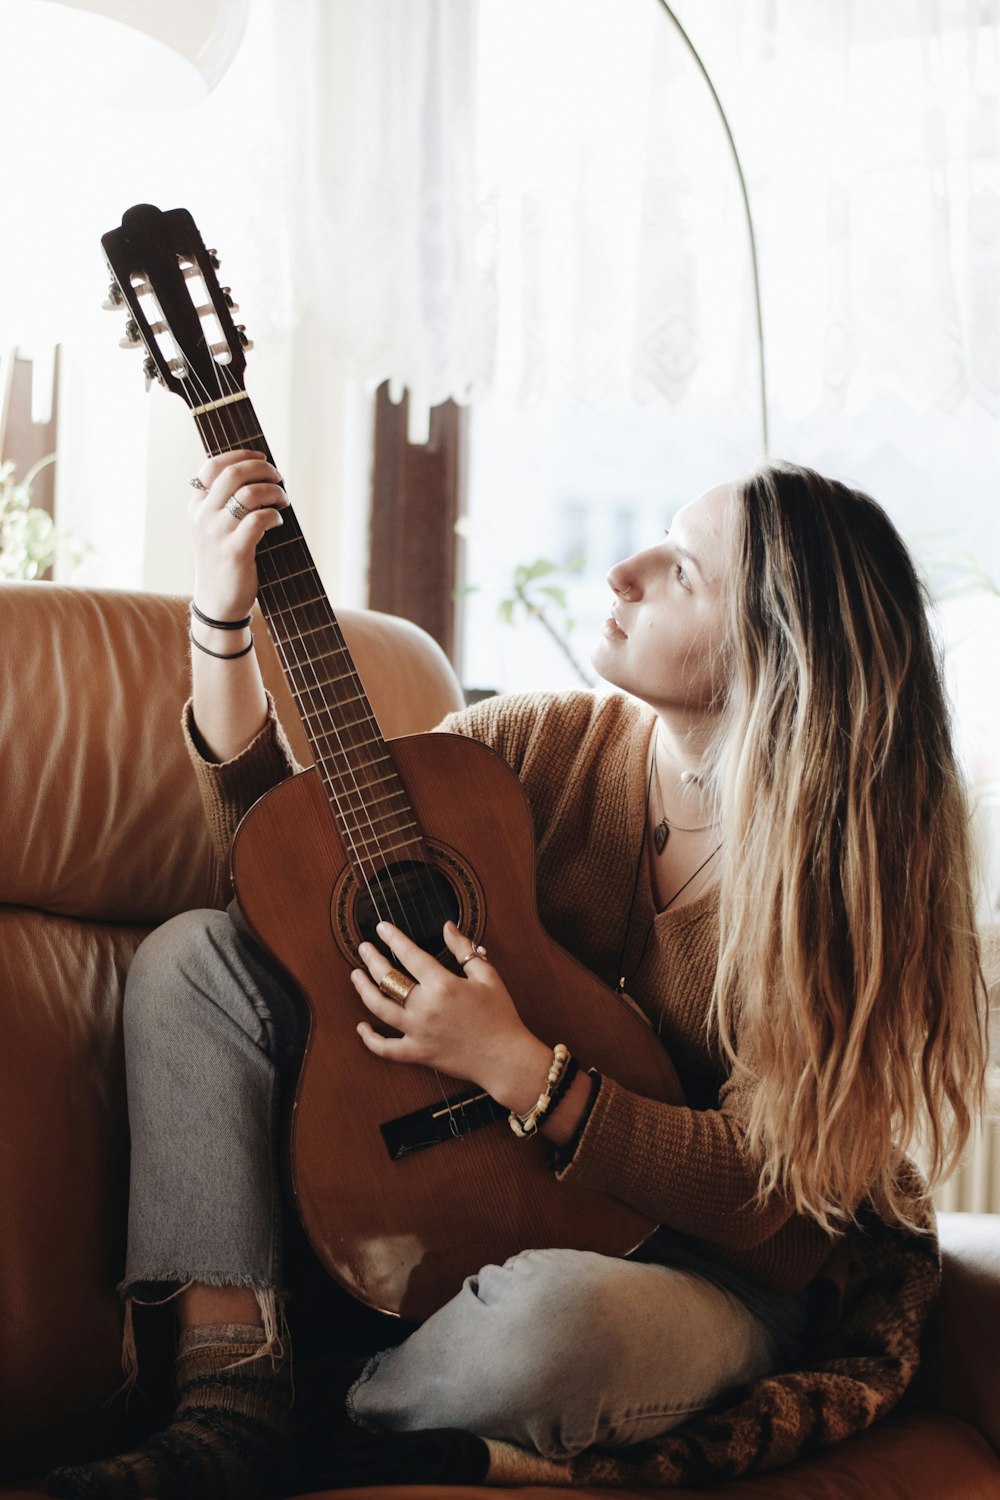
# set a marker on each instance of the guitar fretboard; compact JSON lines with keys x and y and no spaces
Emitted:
{"x":366,"y":795}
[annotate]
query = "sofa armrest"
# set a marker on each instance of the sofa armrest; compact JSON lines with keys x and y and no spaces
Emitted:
{"x":960,"y":1366}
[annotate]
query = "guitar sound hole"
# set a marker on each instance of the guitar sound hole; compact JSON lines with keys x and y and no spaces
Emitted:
{"x":412,"y":895}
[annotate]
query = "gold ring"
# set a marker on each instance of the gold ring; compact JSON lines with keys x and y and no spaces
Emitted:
{"x":236,"y":509}
{"x":396,"y":985}
{"x":476,"y":951}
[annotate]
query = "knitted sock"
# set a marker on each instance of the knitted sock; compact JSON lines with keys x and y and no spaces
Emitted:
{"x":229,"y":1436}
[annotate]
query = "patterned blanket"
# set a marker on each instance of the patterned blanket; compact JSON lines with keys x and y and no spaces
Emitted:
{"x":863,"y":1351}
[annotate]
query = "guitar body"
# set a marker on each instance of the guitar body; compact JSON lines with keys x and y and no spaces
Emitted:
{"x":402,"y":1233}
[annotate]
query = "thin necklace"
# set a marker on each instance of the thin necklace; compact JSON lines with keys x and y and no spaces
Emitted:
{"x":664,"y":827}
{"x":623,"y":979}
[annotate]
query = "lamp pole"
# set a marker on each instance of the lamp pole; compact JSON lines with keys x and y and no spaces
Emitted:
{"x":749,"y":217}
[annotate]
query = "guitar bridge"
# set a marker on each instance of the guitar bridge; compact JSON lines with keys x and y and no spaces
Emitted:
{"x":448,"y":1120}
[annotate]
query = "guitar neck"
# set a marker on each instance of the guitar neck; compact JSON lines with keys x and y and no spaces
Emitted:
{"x":364,"y":789}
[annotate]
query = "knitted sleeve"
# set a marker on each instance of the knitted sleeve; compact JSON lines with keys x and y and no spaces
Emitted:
{"x":229,"y":788}
{"x":513,"y":724}
{"x":689,"y":1169}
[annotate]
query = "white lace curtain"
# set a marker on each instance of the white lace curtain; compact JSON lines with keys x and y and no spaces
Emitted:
{"x":489,"y":194}
{"x":479,"y":195}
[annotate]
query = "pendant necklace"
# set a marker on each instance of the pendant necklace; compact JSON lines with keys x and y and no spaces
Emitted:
{"x":664,"y":827}
{"x":659,"y":843}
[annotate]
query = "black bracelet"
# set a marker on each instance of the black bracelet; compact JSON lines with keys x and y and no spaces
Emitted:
{"x":562,"y":1087}
{"x":221,"y":655}
{"x":218,"y":624}
{"x":561,"y":1156}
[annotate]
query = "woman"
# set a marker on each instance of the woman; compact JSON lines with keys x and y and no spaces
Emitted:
{"x":765,"y":843}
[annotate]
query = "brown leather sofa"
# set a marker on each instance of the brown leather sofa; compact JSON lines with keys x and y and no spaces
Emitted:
{"x":102,"y":838}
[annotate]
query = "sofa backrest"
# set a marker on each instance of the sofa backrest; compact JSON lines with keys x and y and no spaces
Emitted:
{"x":99,"y":815}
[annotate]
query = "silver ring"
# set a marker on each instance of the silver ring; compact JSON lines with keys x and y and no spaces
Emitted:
{"x":477,"y":951}
{"x":396,"y":986}
{"x":196,"y":484}
{"x":236,"y":509}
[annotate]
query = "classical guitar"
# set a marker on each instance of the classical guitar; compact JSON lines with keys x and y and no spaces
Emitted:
{"x":406,"y":1180}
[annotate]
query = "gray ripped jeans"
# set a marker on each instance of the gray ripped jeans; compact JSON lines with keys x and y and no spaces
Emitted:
{"x":555,"y":1350}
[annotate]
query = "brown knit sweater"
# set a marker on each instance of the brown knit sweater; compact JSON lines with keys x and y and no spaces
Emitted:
{"x":581,"y":762}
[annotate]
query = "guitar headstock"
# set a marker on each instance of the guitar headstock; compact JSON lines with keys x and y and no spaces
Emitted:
{"x":164,"y":278}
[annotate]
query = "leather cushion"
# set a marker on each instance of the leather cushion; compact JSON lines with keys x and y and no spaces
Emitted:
{"x":63,"y":1180}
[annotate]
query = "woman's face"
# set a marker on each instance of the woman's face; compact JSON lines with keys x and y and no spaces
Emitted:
{"x":661,"y":641}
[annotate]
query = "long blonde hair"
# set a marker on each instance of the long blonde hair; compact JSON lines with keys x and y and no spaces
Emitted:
{"x":849,"y":972}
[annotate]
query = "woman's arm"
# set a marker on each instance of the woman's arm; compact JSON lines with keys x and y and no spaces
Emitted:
{"x":229,"y":704}
{"x":689,"y":1169}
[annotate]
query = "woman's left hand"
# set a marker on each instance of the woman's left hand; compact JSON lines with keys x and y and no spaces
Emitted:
{"x":468,"y":1028}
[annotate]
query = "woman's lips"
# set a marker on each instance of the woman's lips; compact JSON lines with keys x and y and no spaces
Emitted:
{"x":612,"y":630}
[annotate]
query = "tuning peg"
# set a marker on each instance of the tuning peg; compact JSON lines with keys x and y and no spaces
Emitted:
{"x":133,"y":338}
{"x":114,"y":299}
{"x":241,"y":329}
{"x":213,"y":259}
{"x":151,"y":371}
{"x":227,"y":293}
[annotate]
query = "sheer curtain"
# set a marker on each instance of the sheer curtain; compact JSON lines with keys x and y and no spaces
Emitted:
{"x":482,"y":196}
{"x":492,"y":193}
{"x":479,"y":195}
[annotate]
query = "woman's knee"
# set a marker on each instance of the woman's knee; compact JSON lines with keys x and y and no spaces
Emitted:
{"x":560,"y":1309}
{"x":174,"y":973}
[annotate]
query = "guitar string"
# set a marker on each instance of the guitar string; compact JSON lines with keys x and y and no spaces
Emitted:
{"x":217,"y":429}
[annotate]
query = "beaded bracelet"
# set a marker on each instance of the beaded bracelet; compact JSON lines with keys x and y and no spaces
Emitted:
{"x":527,"y":1124}
{"x":562,"y":1087}
{"x":218,"y":624}
{"x":221,"y":655}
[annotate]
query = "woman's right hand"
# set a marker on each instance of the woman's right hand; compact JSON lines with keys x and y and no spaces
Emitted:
{"x":225,"y":567}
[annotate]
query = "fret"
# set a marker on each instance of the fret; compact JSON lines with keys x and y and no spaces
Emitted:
{"x":299,"y":603}
{"x":308,"y":713}
{"x":269,"y":583}
{"x":276,"y":546}
{"x":300,"y":635}
{"x":369,"y":802}
{"x":329,"y":682}
{"x":352,"y":771}
{"x":386,"y":817}
{"x":242,"y":441}
{"x":338,"y":728}
{"x":375,"y":781}
{"x":384,"y":849}
{"x":375,"y":739}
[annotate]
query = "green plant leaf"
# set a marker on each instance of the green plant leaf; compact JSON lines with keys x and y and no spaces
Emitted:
{"x":539,"y":568}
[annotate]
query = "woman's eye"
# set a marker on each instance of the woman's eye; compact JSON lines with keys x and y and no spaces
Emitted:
{"x":681,"y":576}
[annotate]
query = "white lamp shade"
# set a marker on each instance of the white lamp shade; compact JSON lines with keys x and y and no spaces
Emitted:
{"x":147,"y":54}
